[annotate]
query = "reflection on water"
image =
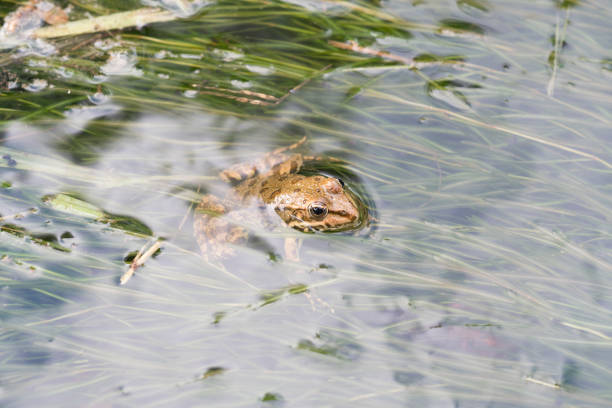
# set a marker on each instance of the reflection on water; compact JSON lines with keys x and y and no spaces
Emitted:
{"x":482,"y":280}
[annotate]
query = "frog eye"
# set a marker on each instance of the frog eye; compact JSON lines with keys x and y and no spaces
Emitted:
{"x":317,"y":210}
{"x":341,"y":182}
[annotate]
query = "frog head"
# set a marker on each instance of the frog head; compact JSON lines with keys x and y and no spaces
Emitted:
{"x":318,"y":203}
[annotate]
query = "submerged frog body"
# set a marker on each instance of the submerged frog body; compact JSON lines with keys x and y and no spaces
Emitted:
{"x":271,"y":192}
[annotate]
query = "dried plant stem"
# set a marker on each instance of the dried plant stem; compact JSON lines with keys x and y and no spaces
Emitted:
{"x":353,"y":46}
{"x":117,"y":21}
{"x":138,"y":261}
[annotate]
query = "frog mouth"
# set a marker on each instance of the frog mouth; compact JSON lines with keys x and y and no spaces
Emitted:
{"x":298,"y":223}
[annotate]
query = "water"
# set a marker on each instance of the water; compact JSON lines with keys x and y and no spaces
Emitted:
{"x":483,"y":279}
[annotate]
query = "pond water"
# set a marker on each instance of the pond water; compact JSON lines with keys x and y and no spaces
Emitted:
{"x":476,"y":132}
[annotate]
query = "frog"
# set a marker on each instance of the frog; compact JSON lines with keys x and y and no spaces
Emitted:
{"x":272,"y":192}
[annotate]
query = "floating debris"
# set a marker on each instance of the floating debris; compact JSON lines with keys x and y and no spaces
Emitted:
{"x":271,"y":296}
{"x":37,"y":63}
{"x":192,"y":56}
{"x":20,"y":25}
{"x":37,"y":47}
{"x":218,"y":316}
{"x":121,"y":63}
{"x":446,"y":91}
{"x":469,"y":6}
{"x":44,"y":239}
{"x":98,"y":98}
{"x":190,"y":93}
{"x":338,"y":348}
{"x":256,"y":69}
{"x":65,"y":203}
{"x":75,"y":206}
{"x":212,"y":371}
{"x":353,"y":46}
{"x":106,"y":44}
{"x":227,"y":56}
{"x":272,"y":397}
{"x":451,"y":27}
{"x":138,"y":261}
{"x":8,"y":80}
{"x":63,"y":72}
{"x":164,"y":54}
{"x":36,"y":85}
{"x":241,"y":84}
{"x":31,"y":16}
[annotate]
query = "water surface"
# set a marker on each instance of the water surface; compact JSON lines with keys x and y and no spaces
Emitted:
{"x":476,"y":131}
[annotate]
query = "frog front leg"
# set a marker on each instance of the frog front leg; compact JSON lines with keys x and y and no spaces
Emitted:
{"x":290,"y":165}
{"x":292,"y":249}
{"x":276,"y":158}
{"x":238,"y":172}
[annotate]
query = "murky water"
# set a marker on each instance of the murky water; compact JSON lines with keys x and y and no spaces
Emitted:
{"x":478,"y":134}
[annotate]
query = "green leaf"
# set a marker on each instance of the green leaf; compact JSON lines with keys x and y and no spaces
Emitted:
{"x":74,"y":206}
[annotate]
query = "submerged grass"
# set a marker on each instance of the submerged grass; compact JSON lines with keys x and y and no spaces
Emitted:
{"x":483,"y":280}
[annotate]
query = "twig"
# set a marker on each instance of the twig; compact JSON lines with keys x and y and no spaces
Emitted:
{"x":545,"y":384}
{"x":245,"y":92}
{"x":353,"y":46}
{"x":138,"y":18}
{"x":242,"y":99}
{"x":138,"y":261}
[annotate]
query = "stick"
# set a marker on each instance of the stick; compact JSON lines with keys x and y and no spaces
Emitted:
{"x":138,"y":18}
{"x":353,"y":46}
{"x":138,"y":261}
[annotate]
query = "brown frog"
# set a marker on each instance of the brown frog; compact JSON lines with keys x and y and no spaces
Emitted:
{"x":271,"y":192}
